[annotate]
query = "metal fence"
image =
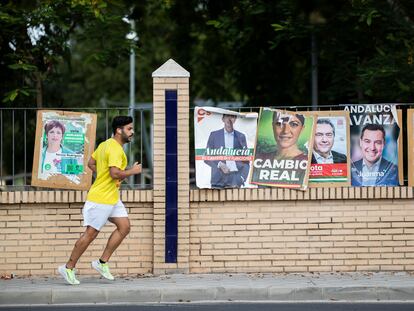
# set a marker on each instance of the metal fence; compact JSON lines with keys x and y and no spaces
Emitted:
{"x":17,"y":138}
{"x":18,"y":127}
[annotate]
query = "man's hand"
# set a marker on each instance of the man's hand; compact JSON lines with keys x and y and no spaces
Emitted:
{"x":136,"y":168}
{"x":224,"y":168}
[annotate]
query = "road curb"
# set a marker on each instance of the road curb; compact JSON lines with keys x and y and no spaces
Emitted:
{"x":76,"y":295}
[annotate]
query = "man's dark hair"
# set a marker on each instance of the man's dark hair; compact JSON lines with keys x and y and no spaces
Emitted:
{"x":326,"y":121}
{"x":120,"y":122}
{"x":373,"y":127}
{"x":229,"y":115}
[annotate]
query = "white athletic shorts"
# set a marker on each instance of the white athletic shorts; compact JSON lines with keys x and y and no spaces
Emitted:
{"x":96,"y":215}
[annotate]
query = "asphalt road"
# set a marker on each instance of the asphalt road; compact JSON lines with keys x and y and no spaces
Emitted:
{"x":228,"y":306}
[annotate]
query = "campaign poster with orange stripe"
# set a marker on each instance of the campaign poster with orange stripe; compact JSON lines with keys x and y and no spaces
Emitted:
{"x":224,"y":146}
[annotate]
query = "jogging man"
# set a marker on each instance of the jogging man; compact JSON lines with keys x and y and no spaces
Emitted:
{"x":103,"y":204}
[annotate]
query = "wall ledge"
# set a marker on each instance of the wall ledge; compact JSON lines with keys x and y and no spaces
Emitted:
{"x":279,"y":194}
{"x":67,"y":196}
{"x":215,"y":195}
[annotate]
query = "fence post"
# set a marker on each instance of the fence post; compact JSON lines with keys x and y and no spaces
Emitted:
{"x":171,"y":169}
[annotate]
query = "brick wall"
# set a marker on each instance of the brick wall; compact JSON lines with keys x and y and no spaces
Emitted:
{"x":37,"y":237}
{"x":263,"y":231}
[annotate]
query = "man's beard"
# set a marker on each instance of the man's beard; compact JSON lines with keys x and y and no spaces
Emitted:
{"x":125,"y":138}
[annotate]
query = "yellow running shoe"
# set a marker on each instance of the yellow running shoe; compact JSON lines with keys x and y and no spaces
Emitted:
{"x":103,"y":269}
{"x":68,"y":275}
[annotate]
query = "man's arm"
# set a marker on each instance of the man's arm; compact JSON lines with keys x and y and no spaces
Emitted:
{"x":243,"y":166}
{"x":313,"y":159}
{"x":117,"y":173}
{"x":338,"y":157}
{"x":211,"y":144}
{"x":92,"y":164}
{"x":390,"y":177}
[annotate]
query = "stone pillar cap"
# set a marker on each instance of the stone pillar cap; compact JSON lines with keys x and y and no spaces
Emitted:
{"x":170,"y":69}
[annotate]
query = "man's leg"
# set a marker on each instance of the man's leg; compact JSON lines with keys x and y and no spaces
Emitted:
{"x":122,"y":229}
{"x":81,"y":245}
{"x":234,"y":178}
{"x":228,"y":179}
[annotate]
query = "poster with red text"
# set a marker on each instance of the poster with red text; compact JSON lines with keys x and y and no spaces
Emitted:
{"x":330,"y":164}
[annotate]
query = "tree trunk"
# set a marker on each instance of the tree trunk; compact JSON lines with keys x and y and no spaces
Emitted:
{"x":39,"y":90}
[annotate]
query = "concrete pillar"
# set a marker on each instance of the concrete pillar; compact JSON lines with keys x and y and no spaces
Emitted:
{"x":171,"y":168}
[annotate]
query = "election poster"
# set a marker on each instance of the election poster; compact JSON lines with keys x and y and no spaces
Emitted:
{"x":64,"y":143}
{"x":400,"y":149}
{"x":410,"y":137}
{"x":224,"y":145}
{"x":375,"y":132}
{"x":330,"y":164}
{"x":283,"y":149}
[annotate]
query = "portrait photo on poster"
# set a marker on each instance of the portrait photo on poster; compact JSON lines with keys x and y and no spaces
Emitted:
{"x":62,"y":149}
{"x":330,"y":164}
{"x":224,"y":144}
{"x":283,"y":144}
{"x":374,"y":135}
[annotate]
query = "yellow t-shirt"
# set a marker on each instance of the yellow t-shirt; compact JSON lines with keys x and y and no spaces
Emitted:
{"x":105,"y":189}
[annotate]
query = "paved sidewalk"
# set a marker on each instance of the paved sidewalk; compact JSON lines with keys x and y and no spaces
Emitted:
{"x":211,"y":287}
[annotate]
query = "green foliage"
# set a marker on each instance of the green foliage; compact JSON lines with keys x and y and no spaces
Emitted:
{"x":11,"y":96}
{"x":36,"y":39}
{"x":255,"y":51}
{"x":365,"y":55}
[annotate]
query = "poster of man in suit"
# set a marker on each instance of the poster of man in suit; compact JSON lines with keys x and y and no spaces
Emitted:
{"x":330,"y":165}
{"x":224,"y":144}
{"x":375,"y":132}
